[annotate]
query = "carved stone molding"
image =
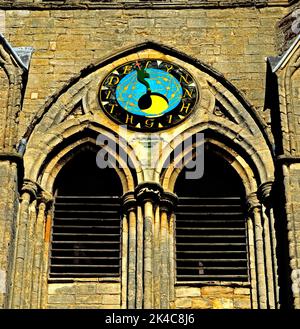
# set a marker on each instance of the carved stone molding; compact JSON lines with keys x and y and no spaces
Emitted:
{"x":129,"y":201}
{"x":252,"y":202}
{"x":46,"y":198}
{"x":168,"y":201}
{"x":264,"y":193}
{"x":30,"y":187}
{"x":149,"y":191}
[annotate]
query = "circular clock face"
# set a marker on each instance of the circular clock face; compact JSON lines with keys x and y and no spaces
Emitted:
{"x":148,"y":94}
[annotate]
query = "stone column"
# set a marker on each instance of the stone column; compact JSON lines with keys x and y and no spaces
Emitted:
{"x":167,"y":204}
{"x":148,"y":195}
{"x":157,"y":259}
{"x":45,"y":202}
{"x":252,"y":262}
{"x":28,"y":261}
{"x":129,"y":208}
{"x":28,"y":193}
{"x":124,"y":261}
{"x":140,"y":259}
{"x":254,"y":211}
{"x":265,"y":196}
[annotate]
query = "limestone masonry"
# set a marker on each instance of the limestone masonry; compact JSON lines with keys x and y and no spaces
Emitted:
{"x":244,"y":56}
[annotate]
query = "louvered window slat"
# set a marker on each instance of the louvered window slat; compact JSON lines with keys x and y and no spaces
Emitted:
{"x":211,"y":241}
{"x":86,"y":237}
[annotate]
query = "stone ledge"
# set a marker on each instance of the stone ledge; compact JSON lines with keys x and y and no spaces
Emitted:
{"x":115,"y":4}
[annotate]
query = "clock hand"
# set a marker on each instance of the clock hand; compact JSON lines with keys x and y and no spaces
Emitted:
{"x":146,"y":101}
{"x":141,"y":76}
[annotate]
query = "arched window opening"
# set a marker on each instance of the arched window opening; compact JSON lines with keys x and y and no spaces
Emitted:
{"x":211,"y":234}
{"x":86,"y":230}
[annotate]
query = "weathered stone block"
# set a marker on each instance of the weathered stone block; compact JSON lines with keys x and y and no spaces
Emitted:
{"x":242,"y":291}
{"x":241,"y":302}
{"x":61,"y":299}
{"x":216,"y":290}
{"x":183,"y":303}
{"x":108,"y":288}
{"x":201,"y":303}
{"x":187,"y":292}
{"x":111,"y":299}
{"x":85,"y":288}
{"x":61,"y":289}
{"x":222,"y":303}
{"x":88,"y":299}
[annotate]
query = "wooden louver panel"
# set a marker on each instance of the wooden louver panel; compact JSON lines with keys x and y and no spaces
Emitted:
{"x":211,"y":240}
{"x":86,"y":237}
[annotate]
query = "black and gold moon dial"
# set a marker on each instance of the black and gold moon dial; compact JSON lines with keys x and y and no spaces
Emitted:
{"x":148,"y":94}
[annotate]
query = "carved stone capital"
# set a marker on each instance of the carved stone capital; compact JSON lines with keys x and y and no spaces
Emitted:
{"x":168,"y":201}
{"x":148,"y":192}
{"x":264,"y":193}
{"x":30,"y":187}
{"x":46,"y":197}
{"x":129,"y":201}
{"x":252,"y":202}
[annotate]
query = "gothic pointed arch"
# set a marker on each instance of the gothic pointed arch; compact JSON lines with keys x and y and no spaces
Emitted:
{"x":72,"y":120}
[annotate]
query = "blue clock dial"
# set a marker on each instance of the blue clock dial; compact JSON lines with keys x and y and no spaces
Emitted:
{"x":166,"y":93}
{"x":148,"y":94}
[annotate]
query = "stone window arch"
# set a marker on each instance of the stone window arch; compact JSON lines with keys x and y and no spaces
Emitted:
{"x":210,"y":227}
{"x":72,"y":118}
{"x":86,"y":226}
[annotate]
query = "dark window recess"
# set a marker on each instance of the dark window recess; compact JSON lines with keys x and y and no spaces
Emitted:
{"x":86,"y":237}
{"x":211,"y":235}
{"x":211,"y":240}
{"x":86,"y":229}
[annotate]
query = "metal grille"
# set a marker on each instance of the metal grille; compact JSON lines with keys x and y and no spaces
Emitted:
{"x":86,"y":237}
{"x":211,"y":241}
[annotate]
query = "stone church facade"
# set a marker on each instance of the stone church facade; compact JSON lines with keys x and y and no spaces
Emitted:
{"x":140,"y":235}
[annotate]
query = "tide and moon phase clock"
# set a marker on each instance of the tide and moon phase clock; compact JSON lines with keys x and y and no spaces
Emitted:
{"x":148,"y":94}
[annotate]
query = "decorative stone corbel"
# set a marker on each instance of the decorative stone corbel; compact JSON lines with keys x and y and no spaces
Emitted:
{"x":168,"y":202}
{"x":149,"y":191}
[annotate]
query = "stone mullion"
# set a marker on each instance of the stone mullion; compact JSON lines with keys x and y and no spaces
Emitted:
{"x":156,"y":259}
{"x":28,"y":261}
{"x":164,"y":284}
{"x":268,"y":259}
{"x":140,"y":256}
{"x":255,"y":212}
{"x":252,"y":264}
{"x":39,"y":236}
{"x":129,"y":207}
{"x":16,"y":299}
{"x":274,"y":245}
{"x":43,"y":287}
{"x":260,"y":265}
{"x":168,"y":203}
{"x":132,"y":260}
{"x":20,"y":251}
{"x":148,"y":266}
{"x":124,"y":260}
{"x":171,"y":232}
{"x":148,"y":195}
{"x":270,"y":243}
{"x":45,"y":202}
